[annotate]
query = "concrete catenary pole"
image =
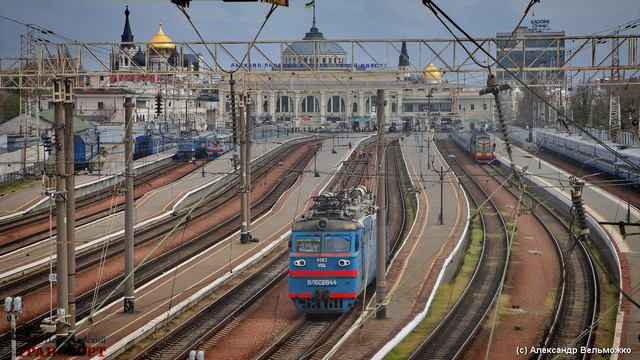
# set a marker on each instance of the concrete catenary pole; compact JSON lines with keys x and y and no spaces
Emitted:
{"x":381,"y":235}
{"x":129,"y":252}
{"x":70,"y":185}
{"x":247,"y":162}
{"x":62,"y":270}
{"x":245,"y":168}
{"x":244,"y":211}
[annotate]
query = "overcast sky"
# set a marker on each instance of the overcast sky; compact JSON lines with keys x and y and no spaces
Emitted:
{"x":103,"y":21}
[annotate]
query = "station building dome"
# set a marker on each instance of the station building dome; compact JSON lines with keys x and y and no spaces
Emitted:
{"x":312,"y":54}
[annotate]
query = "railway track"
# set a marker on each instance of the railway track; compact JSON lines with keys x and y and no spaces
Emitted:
{"x":210,"y":322}
{"x":314,"y":337}
{"x":15,"y":238}
{"x":169,"y":259}
{"x":576,"y":306}
{"x":455,"y":331}
{"x":576,"y":300}
{"x":310,"y":337}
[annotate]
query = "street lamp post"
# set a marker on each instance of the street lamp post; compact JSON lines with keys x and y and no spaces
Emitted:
{"x":441,"y":174}
{"x":428,"y":149}
{"x":315,"y":161}
{"x":333,"y":140}
{"x":429,"y":96}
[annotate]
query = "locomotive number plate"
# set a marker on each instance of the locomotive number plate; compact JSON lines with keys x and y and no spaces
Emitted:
{"x":321,"y":282}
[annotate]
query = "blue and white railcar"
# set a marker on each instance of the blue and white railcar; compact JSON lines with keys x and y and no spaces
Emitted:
{"x":85,"y":148}
{"x":333,"y":252}
{"x":265,"y":131}
{"x":146,"y":145}
{"x":586,"y":151}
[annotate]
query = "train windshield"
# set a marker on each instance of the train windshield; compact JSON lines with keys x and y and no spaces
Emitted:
{"x":336,"y":244}
{"x":308,"y":244}
{"x":484,"y":144}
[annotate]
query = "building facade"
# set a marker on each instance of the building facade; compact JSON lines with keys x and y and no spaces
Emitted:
{"x":535,"y":47}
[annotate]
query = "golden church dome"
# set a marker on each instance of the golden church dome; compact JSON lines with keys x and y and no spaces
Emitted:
{"x":431,"y":73}
{"x":161,"y":44}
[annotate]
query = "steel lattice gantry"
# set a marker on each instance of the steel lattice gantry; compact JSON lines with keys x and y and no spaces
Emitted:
{"x":370,"y":64}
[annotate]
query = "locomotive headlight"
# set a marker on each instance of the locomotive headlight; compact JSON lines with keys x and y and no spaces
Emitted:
{"x":344,"y":262}
{"x":299,"y":262}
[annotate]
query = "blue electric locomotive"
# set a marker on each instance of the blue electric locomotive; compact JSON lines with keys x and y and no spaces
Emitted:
{"x":333,"y":252}
{"x":192,"y":148}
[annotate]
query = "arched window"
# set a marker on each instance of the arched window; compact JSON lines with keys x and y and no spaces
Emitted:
{"x":284,"y":104}
{"x":370,"y":104}
{"x":335,"y":105}
{"x":310,"y":105}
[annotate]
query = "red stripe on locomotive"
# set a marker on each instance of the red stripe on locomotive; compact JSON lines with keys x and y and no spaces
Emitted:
{"x":331,"y":295}
{"x":332,"y":273}
{"x":323,"y":255}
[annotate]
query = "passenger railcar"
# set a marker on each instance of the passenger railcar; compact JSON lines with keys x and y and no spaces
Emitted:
{"x":266,"y":130}
{"x":333,"y":252}
{"x":477,"y":144}
{"x":85,"y":148}
{"x":586,"y":151}
{"x":146,"y":145}
{"x":218,"y":145}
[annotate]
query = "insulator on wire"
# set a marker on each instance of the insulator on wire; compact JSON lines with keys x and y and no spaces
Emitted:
{"x":576,"y":199}
{"x":494,"y":88}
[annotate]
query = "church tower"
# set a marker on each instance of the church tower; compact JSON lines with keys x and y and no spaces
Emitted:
{"x":403,"y":62}
{"x":127,"y":51}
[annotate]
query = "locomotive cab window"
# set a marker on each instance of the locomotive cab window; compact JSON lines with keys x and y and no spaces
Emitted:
{"x":334,"y":243}
{"x":308,"y":245}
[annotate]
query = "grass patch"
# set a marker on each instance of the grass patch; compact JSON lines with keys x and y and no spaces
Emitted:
{"x":608,"y":309}
{"x":10,"y":186}
{"x":411,"y":202}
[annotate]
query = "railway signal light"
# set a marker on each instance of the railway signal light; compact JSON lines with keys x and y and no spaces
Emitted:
{"x":56,"y":142}
{"x":46,"y":140}
{"x":158,"y":104}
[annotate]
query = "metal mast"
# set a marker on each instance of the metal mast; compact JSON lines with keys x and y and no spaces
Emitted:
{"x":381,"y":238}
{"x":129,"y":252}
{"x":62,"y":290}
{"x":28,"y":107}
{"x":615,"y":128}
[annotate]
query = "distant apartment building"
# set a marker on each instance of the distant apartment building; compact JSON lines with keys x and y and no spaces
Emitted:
{"x":526,"y":48}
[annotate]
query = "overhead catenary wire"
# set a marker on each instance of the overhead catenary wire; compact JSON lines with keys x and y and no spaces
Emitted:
{"x":215,"y":60}
{"x":561,"y":116}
